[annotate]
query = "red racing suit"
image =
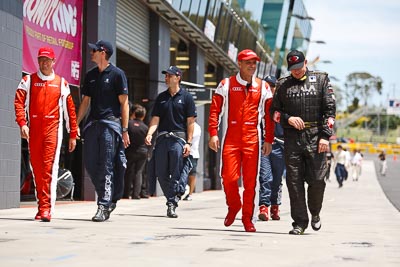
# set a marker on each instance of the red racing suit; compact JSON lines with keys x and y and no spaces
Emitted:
{"x":41,"y":102}
{"x":243,"y":109}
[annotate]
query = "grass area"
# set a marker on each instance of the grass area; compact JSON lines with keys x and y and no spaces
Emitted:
{"x":364,"y":135}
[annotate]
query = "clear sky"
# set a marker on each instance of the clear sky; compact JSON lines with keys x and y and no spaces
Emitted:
{"x":360,"y":36}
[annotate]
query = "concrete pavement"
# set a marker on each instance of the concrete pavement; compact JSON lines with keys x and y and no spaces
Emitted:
{"x":390,"y":183}
{"x":360,"y":227}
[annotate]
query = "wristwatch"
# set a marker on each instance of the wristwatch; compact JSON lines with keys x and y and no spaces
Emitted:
{"x":190,"y":144}
{"x":124,"y":129}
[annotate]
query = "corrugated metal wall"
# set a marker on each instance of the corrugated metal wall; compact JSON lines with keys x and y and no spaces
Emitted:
{"x":133,"y":29}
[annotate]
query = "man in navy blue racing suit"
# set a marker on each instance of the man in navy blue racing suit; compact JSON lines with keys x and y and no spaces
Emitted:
{"x":173,"y":116}
{"x":105,"y":135}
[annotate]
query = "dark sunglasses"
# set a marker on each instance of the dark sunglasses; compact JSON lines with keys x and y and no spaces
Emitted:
{"x":97,"y":50}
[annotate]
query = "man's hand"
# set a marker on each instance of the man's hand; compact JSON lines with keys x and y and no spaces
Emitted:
{"x":148,"y":139}
{"x":186,"y":150}
{"x":25,"y":132}
{"x":78,"y":133}
{"x":71,"y":144}
{"x":266,"y":148}
{"x":323,"y":146}
{"x":125,"y":139}
{"x":214,"y":143}
{"x":296,"y":122}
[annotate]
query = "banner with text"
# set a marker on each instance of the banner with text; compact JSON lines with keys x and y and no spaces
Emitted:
{"x":57,"y":24}
{"x":394,"y":107}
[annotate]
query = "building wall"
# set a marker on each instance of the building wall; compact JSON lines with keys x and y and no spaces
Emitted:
{"x":10,"y":75}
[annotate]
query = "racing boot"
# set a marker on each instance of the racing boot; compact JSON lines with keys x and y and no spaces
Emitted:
{"x":37,"y":216}
{"x":230,"y":217}
{"x":171,"y":211}
{"x":102,"y":214}
{"x":112,"y":207}
{"x":45,"y":216}
{"x":263,"y":215}
{"x":297,"y":230}
{"x":248,"y":225}
{"x":316,"y":223}
{"x":275,"y":212}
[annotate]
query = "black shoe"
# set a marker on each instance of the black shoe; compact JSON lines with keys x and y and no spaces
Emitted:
{"x":102,"y":214}
{"x":171,"y":211}
{"x":297,"y":230}
{"x":316,"y":223}
{"x":144,"y":195}
{"x":188,"y":198}
{"x":112,"y":207}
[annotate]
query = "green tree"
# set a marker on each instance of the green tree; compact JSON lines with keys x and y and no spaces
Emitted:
{"x":362,"y":84}
{"x":354,"y":105}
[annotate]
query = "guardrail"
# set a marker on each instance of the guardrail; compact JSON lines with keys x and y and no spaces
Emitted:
{"x":390,"y":149}
{"x":358,"y":113}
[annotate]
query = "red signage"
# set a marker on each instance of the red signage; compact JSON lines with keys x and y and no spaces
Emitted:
{"x":57,"y":24}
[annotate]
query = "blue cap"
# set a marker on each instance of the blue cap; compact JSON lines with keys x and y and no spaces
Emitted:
{"x":270,"y":79}
{"x":173,"y":70}
{"x":101,"y":45}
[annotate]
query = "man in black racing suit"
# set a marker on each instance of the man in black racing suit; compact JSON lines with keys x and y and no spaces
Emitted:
{"x":304,"y":104}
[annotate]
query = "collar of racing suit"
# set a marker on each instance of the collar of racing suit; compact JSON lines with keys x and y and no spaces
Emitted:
{"x":244,"y":83}
{"x":44,"y":77}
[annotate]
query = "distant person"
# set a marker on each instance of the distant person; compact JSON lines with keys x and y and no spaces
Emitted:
{"x":356,"y":162}
{"x":329,"y":161}
{"x":42,"y":100}
{"x":383,"y":163}
{"x":173,"y":116}
{"x":272,"y":167}
{"x":136,"y":153}
{"x":241,"y":101}
{"x":347,"y":164}
{"x":105,"y":91}
{"x":304,"y":104}
{"x":194,"y":157}
{"x":340,"y":169}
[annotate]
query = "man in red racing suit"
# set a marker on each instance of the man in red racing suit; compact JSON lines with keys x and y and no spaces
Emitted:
{"x":244,"y":101}
{"x":41,"y":101}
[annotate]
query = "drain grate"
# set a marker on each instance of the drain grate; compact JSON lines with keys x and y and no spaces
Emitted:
{"x":2,"y":240}
{"x":347,"y":258}
{"x":138,"y":243}
{"x":165,"y":237}
{"x":219,"y":249}
{"x":63,"y":228}
{"x":359,"y":244}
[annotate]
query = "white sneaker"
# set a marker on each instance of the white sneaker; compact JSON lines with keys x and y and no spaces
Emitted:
{"x":188,"y":198}
{"x":187,"y":189}
{"x":316,"y":223}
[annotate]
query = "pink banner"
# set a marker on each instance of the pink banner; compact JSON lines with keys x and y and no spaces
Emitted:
{"x":57,"y":24}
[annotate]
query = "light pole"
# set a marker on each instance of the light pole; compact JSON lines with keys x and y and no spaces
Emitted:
{"x":317,"y":60}
{"x":302,"y":17}
{"x":312,"y":41}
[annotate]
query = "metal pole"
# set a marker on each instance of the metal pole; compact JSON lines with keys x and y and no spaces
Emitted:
{"x":379,"y":123}
{"x":387,"y":126}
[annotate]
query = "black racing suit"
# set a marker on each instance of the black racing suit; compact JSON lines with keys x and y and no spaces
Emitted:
{"x":311,"y":99}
